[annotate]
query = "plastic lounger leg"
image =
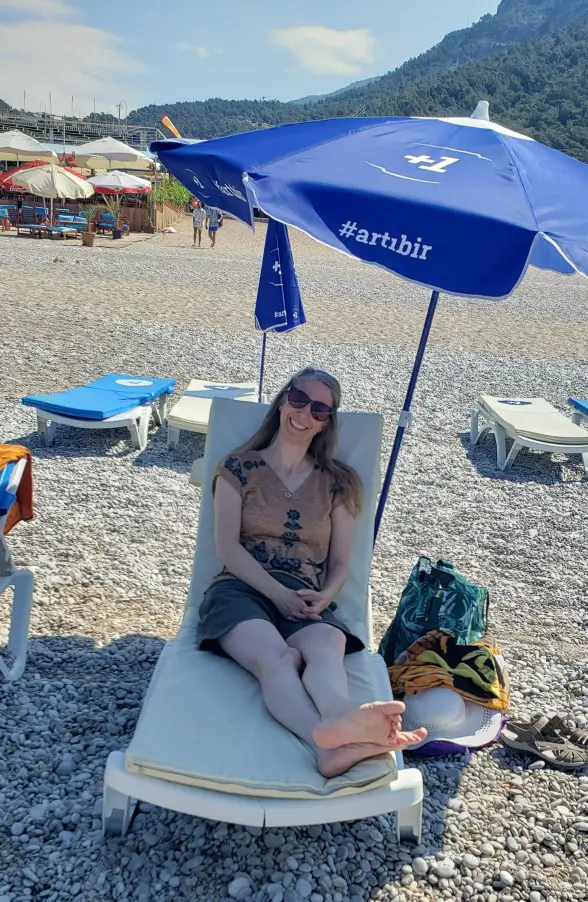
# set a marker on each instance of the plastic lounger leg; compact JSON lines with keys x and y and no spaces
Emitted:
{"x":22,"y":583}
{"x":117,"y":810}
{"x":144,"y":428}
{"x":46,"y":430}
{"x":173,"y":437}
{"x":515,"y":448}
{"x":476,"y":430}
{"x":135,"y":436}
{"x":409,"y":823}
{"x":162,"y":409}
{"x":585,"y":461}
{"x":577,"y":418}
{"x":500,"y":437}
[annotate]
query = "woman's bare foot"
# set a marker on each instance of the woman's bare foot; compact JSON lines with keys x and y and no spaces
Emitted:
{"x":333,"y":762}
{"x":376,"y":722}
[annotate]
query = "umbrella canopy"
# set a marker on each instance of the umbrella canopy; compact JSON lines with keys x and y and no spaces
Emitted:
{"x":15,"y":145}
{"x":459,"y":205}
{"x":7,"y":182}
{"x":53,"y":181}
{"x":279,"y":304}
{"x":109,"y":149}
{"x":116,"y":182}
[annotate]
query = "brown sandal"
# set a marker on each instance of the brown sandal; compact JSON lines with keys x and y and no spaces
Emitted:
{"x":549,"y":739}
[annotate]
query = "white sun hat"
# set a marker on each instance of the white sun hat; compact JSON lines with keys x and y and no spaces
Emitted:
{"x":450,"y":719}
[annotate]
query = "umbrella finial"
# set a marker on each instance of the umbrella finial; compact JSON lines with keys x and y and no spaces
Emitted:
{"x":482,"y":111}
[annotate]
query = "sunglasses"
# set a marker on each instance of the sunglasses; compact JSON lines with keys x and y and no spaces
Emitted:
{"x":299,"y":399}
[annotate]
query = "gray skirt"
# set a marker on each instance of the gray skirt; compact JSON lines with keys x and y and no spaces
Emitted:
{"x":229,"y":602}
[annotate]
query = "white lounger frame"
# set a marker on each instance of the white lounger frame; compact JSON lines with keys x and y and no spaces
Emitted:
{"x":173,"y":430}
{"x":403,"y":795}
{"x":136,"y":420}
{"x":504,"y":461}
{"x":22,"y":583}
{"x":123,"y":790}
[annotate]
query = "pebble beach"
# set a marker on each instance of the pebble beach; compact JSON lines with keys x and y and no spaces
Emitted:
{"x":113,"y":537}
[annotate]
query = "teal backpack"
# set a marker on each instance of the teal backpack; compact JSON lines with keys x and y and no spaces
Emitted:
{"x":436,"y":597}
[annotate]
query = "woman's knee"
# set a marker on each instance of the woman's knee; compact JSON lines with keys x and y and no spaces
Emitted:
{"x":321,"y":641}
{"x":279,"y":658}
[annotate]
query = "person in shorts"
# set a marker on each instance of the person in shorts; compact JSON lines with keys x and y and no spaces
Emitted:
{"x":198,"y":217}
{"x":284,"y":512}
{"x":214,"y":220}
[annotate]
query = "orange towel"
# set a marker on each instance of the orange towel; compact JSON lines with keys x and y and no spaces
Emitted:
{"x":22,"y":509}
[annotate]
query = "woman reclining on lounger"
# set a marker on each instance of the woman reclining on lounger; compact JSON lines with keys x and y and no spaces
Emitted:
{"x":284,"y":519}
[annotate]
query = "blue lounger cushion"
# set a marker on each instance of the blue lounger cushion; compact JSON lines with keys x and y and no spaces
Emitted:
{"x":104,"y":398}
{"x":581,"y":406}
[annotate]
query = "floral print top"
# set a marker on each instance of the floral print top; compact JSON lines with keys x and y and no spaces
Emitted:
{"x":287,"y":532}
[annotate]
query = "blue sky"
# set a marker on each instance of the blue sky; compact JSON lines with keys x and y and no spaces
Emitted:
{"x":146,"y":51}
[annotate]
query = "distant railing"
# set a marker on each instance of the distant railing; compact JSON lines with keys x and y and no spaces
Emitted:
{"x":46,"y":127}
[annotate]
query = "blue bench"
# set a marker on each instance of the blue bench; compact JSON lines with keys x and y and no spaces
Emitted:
{"x":79,"y":223}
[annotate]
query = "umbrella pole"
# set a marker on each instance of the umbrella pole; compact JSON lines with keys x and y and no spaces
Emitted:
{"x":404,"y":420}
{"x":261,"y":366}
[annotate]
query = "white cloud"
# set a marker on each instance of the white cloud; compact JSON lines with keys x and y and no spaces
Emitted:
{"x":327,"y":51}
{"x":90,"y":63}
{"x":201,"y":52}
{"x":46,"y":8}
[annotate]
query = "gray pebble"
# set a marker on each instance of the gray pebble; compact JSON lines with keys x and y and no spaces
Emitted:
{"x":303,"y":887}
{"x":420,"y":866}
{"x":445,"y":868}
{"x":238,"y":885}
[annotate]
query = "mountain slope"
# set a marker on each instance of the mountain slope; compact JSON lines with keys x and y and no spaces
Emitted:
{"x":314,"y":98}
{"x":515,"y":22}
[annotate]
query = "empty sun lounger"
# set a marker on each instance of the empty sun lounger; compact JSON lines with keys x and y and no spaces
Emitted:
{"x":205,"y":744}
{"x":531,"y":423}
{"x":193,"y":409}
{"x":19,"y":580}
{"x":579,"y":411}
{"x":112,"y":402}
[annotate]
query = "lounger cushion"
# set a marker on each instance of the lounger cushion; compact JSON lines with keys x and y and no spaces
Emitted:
{"x":204,"y":724}
{"x":203,"y":721}
{"x":535,"y":419}
{"x":580,"y":406}
{"x":103,"y":398}
{"x":193,"y":409}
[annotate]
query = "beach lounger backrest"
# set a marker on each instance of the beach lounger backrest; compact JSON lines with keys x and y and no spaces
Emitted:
{"x":231,"y":424}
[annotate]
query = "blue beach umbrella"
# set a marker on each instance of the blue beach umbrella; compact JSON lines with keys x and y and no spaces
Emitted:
{"x":459,"y":205}
{"x":279,"y":304}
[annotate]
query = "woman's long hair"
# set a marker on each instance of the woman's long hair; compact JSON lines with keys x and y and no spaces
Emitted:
{"x":346,"y":483}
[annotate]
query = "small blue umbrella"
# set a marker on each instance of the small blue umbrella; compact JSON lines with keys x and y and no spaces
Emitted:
{"x":279,"y":304}
{"x":459,"y":205}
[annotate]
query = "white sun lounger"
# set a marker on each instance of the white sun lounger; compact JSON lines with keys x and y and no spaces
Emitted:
{"x":192,"y":411}
{"x":114,"y":401}
{"x":22,"y":583}
{"x":205,"y":744}
{"x":531,"y":423}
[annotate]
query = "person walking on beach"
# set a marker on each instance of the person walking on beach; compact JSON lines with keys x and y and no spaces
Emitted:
{"x":198,"y":217}
{"x":214,"y":218}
